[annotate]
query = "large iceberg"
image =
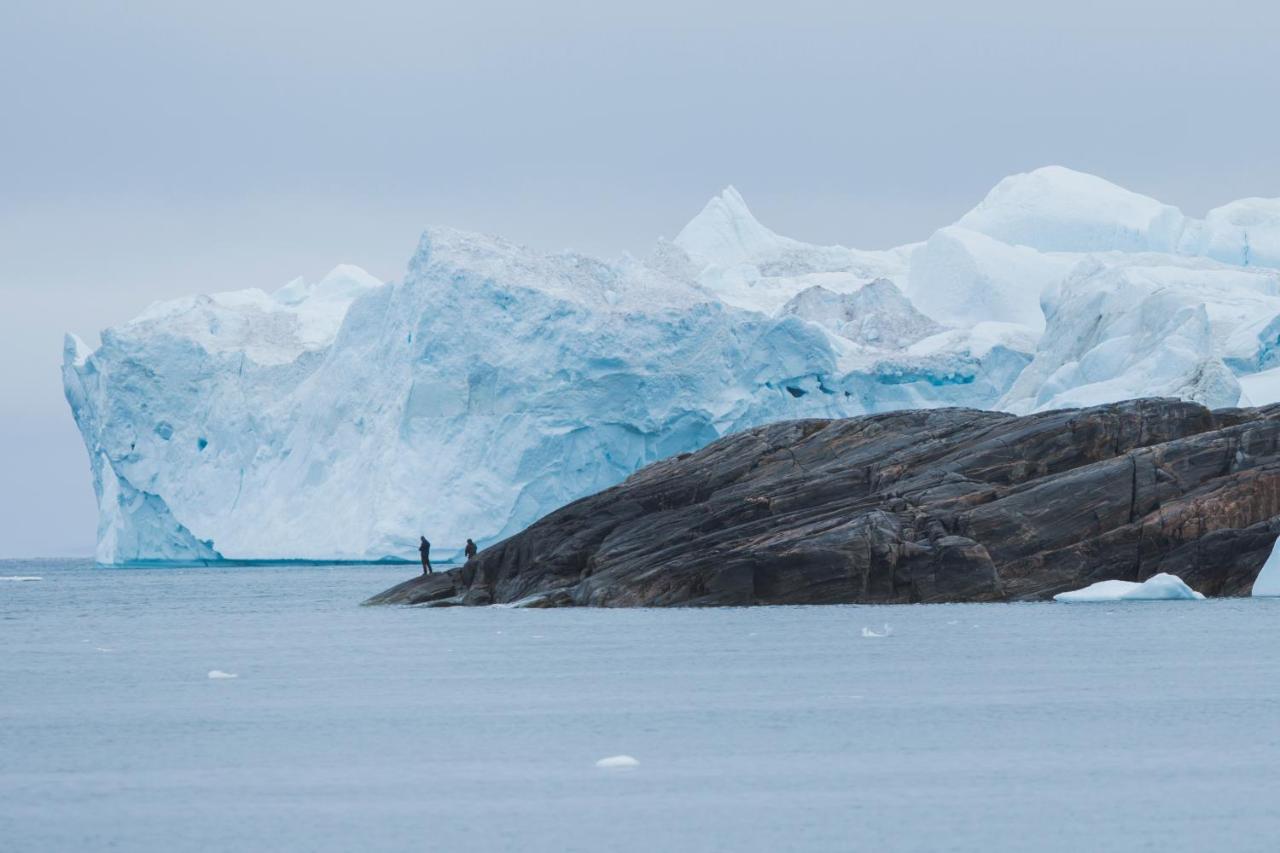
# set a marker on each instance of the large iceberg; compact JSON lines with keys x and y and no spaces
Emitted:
{"x":337,"y":420}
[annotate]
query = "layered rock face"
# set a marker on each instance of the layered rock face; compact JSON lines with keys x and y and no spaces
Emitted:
{"x":915,"y":506}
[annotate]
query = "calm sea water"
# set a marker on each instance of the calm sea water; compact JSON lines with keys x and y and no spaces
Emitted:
{"x":1144,"y":726}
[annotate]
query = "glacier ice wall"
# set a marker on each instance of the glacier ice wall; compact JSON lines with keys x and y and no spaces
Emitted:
{"x":491,"y":383}
{"x":489,"y":386}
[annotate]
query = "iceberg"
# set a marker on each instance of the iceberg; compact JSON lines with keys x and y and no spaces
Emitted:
{"x":1148,"y":325}
{"x":1267,"y":584}
{"x":1161,"y":587}
{"x":618,"y":762}
{"x":489,"y":386}
{"x":491,"y":383}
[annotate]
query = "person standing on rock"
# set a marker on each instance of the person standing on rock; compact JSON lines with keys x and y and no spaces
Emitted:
{"x":425,"y":550}
{"x":470,"y":550}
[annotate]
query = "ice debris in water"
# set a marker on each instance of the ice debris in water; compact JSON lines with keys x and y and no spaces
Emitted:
{"x":1267,"y":584}
{"x":618,"y":762}
{"x":871,"y":632}
{"x":217,"y":673}
{"x":1161,"y":587}
{"x":20,"y":578}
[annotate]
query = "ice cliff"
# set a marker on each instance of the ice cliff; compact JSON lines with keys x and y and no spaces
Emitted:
{"x":492,"y":383}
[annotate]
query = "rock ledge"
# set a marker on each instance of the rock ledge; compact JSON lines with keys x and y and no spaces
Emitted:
{"x":914,"y":506}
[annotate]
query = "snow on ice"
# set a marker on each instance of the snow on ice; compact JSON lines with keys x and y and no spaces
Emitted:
{"x":492,"y":384}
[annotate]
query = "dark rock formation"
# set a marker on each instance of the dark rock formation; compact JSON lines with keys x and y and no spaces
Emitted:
{"x":914,"y":506}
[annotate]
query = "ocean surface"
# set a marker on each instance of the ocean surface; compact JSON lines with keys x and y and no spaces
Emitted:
{"x":1137,"y":726}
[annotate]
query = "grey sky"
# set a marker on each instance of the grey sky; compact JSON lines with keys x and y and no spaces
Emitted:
{"x":153,"y":149}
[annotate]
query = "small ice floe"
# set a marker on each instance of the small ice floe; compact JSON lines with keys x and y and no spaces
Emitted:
{"x":103,"y":649}
{"x":1161,"y":587}
{"x":20,"y":578}
{"x":217,"y":673}
{"x":1267,"y":583}
{"x":618,"y":762}
{"x":871,"y":632}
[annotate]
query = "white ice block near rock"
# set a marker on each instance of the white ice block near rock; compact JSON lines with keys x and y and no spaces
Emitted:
{"x":1161,"y":587}
{"x":1267,"y":583}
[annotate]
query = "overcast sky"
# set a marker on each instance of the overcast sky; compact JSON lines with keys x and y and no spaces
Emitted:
{"x":155,"y":149}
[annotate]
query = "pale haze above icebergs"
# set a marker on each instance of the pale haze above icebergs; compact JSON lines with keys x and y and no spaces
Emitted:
{"x":492,"y":383}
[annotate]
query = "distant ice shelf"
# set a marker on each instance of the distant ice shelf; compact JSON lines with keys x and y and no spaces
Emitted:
{"x":491,"y":384}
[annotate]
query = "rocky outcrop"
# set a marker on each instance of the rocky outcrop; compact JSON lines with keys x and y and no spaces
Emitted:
{"x":913,"y":506}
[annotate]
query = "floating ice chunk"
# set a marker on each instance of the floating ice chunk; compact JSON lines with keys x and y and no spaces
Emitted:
{"x":20,"y":578}
{"x":1267,"y":584}
{"x":1156,"y":588}
{"x":871,"y":632}
{"x":217,"y":673}
{"x":618,"y":762}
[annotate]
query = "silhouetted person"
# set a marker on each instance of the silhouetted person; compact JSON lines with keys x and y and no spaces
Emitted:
{"x":425,"y":550}
{"x":470,"y":550}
